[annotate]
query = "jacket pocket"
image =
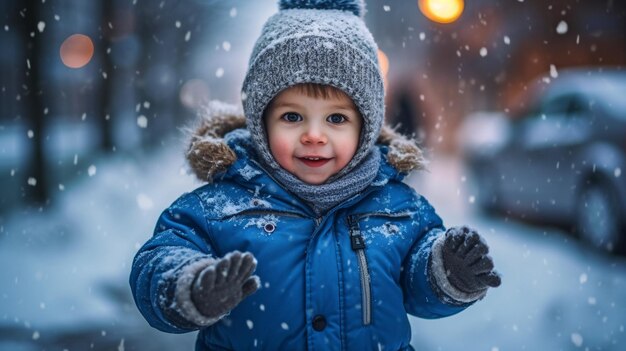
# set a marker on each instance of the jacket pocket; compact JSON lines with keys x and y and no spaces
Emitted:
{"x":357,"y":243}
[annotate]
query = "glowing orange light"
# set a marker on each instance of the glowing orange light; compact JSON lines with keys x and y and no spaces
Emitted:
{"x":194,"y":94}
{"x":76,"y":51}
{"x":383,"y":61}
{"x":442,"y":11}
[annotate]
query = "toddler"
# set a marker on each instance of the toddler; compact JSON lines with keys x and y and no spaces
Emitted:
{"x":305,"y":236}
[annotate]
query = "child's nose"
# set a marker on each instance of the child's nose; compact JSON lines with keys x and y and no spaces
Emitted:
{"x":313,"y":135}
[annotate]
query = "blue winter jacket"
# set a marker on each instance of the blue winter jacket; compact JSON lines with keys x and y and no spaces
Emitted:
{"x":343,"y":281}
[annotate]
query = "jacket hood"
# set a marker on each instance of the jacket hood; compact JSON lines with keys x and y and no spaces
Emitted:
{"x":209,"y":154}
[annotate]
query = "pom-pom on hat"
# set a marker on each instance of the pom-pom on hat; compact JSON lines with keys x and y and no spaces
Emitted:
{"x":315,"y":41}
{"x":355,"y":6}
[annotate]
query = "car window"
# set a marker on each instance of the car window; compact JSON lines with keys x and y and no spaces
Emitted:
{"x":557,"y":106}
{"x":577,"y":106}
{"x":562,"y":106}
{"x":559,"y":121}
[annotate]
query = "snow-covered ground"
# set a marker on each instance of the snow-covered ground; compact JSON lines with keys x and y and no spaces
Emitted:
{"x":63,"y":282}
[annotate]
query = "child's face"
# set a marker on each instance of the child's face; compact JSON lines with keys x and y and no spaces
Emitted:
{"x":312,"y":138}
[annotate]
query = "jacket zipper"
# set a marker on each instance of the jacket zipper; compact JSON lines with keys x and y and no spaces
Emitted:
{"x":317,"y":220}
{"x":358,"y":246}
{"x":254,"y":212}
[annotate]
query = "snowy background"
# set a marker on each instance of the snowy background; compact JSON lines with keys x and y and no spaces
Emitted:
{"x":66,"y":259}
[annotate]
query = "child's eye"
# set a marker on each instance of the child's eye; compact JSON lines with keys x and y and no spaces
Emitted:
{"x":291,"y":117}
{"x":336,"y":118}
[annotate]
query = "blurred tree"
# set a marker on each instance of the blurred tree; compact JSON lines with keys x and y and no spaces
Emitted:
{"x":37,"y":188}
{"x":158,"y":79}
{"x":104,"y":112}
{"x":404,"y":112}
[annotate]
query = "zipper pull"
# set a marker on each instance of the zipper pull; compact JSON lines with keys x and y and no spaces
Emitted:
{"x":356,"y":239}
{"x":357,"y":242}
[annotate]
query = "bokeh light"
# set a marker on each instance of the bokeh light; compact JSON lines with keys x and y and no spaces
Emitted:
{"x":194,"y":94}
{"x":76,"y":51}
{"x":442,"y":11}
{"x":383,"y":61}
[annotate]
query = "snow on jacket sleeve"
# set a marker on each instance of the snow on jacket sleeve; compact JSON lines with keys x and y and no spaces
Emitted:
{"x":422,"y":298}
{"x":179,"y":247}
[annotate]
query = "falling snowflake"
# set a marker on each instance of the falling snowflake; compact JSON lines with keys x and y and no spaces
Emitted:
{"x":41,"y":26}
{"x":483,"y":51}
{"x":144,"y":202}
{"x":577,"y":339}
{"x":553,"y":72}
{"x":561,"y":28}
{"x":219,"y":73}
{"x":142,"y":121}
{"x":91,"y":170}
{"x":591,"y":300}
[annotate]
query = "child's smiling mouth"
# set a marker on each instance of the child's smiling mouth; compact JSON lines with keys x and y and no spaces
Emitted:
{"x":313,"y":161}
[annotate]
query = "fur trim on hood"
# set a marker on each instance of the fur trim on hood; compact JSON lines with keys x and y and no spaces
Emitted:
{"x":209,"y":155}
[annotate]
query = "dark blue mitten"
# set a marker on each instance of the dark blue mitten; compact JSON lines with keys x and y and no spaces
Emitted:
{"x":461,"y":266}
{"x":221,"y":286}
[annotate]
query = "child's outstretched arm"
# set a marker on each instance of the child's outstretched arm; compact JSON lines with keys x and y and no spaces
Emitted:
{"x":445,"y":271}
{"x":177,"y":282}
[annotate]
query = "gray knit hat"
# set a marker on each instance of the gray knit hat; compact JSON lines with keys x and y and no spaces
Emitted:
{"x":315,"y":41}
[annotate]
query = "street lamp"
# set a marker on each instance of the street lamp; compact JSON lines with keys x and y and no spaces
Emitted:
{"x":441,"y":11}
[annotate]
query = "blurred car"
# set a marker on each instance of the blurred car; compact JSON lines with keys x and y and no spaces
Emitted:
{"x":563,"y":160}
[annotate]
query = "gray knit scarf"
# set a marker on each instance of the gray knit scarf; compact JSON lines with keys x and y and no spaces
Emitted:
{"x":325,"y":196}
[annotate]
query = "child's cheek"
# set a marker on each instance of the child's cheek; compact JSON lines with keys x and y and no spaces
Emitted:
{"x":281,"y":150}
{"x":347,"y":147}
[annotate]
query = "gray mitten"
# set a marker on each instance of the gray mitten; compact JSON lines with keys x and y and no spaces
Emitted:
{"x":221,"y":286}
{"x":466,"y":261}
